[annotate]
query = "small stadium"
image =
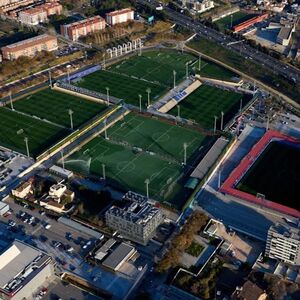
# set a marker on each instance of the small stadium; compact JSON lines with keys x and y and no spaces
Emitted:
{"x":44,"y":119}
{"x":233,"y":19}
{"x":140,"y":148}
{"x":269,"y":174}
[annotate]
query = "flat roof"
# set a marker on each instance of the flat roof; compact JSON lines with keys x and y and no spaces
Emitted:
{"x":15,"y":259}
{"x":119,"y":12}
{"x":285,"y":33}
{"x":121,"y":253}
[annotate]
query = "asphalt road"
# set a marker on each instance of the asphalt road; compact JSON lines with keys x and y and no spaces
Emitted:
{"x":243,"y":49}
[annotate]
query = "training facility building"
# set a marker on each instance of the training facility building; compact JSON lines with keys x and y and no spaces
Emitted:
{"x":136,"y":218}
{"x":119,"y":16}
{"x":283,"y":243}
{"x":75,"y":30}
{"x":23,"y":270}
{"x":30,"y":47}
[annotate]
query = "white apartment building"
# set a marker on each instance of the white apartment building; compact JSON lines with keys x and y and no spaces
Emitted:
{"x":283,"y":243}
{"x":119,"y":16}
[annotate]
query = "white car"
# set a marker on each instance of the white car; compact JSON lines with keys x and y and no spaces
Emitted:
{"x":47,"y":226}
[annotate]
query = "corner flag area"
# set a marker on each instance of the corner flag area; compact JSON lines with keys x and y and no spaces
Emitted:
{"x":139,"y":148}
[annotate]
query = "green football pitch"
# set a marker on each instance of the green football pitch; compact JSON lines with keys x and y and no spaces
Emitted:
{"x":207,"y":102}
{"x":53,"y":106}
{"x":139,"y":148}
{"x":14,"y":127}
{"x":238,"y":17}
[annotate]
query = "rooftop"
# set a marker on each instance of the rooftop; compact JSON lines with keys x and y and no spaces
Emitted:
{"x":121,"y":253}
{"x":286,"y":231}
{"x":285,"y":33}
{"x":85,"y":22}
{"x":32,"y":11}
{"x":18,"y":263}
{"x":119,"y":12}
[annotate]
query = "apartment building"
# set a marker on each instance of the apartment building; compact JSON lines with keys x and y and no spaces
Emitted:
{"x":30,"y":47}
{"x":52,"y":8}
{"x":33,"y":16}
{"x":10,"y":5}
{"x":136,"y":219}
{"x":119,"y":16}
{"x":283,"y":243}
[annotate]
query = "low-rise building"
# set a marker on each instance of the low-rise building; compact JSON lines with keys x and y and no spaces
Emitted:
{"x":23,"y":270}
{"x":33,"y":16}
{"x":119,"y":16}
{"x":9,"y":5}
{"x":57,"y":190}
{"x":23,"y":190}
{"x":283,"y":243}
{"x":284,"y":36}
{"x":74,"y":31}
{"x":136,"y":219}
{"x":30,"y":47}
{"x":119,"y":256}
{"x":52,"y":8}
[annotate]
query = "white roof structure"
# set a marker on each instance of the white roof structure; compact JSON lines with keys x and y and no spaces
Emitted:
{"x":14,"y":260}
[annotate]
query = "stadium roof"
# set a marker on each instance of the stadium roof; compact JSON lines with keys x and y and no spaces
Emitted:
{"x":119,"y":256}
{"x":14,"y":260}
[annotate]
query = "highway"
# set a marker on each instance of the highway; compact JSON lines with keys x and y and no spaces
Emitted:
{"x":243,"y":49}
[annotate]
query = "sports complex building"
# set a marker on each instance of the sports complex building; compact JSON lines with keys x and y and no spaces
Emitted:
{"x":268,"y":175}
{"x":112,"y":119}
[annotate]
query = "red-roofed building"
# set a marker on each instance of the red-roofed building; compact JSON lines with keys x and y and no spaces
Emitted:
{"x":119,"y":16}
{"x":82,"y":28}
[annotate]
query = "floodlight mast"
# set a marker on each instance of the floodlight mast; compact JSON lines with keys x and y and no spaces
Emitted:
{"x":26,"y":144}
{"x":222,"y":119}
{"x":11,"y":102}
{"x":147,"y":181}
{"x":103,"y":172}
{"x":178,"y":111}
{"x":174,"y":78}
{"x":215,"y":124}
{"x":107,"y":95}
{"x":184,"y":153}
{"x":148,"y":90}
{"x":70,"y":112}
{"x":140,"y":102}
{"x":62,"y":158}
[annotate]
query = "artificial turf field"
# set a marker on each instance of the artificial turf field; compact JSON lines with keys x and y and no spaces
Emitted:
{"x":14,"y":127}
{"x":208,"y":101}
{"x":128,"y":168}
{"x":154,"y":69}
{"x":53,"y":106}
{"x":275,"y":174}
{"x":238,"y":17}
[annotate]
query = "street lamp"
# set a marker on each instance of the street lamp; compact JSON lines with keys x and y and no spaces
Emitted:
{"x":140,"y":102}
{"x":222,"y":119}
{"x":148,"y":90}
{"x":215,"y":124}
{"x":187,"y":70}
{"x":26,"y":144}
{"x":105,"y":130}
{"x":50,"y":79}
{"x":11,"y":102}
{"x":178,"y":111}
{"x":184,"y":153}
{"x":70,"y":112}
{"x":174,"y":78}
{"x":199,"y":67}
{"x":147,"y":181}
{"x":68,"y":71}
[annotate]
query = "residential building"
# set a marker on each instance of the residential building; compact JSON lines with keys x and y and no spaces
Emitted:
{"x":119,"y":256}
{"x":10,"y":5}
{"x":52,"y":8}
{"x":23,"y":270}
{"x":136,"y":219}
{"x":33,"y":16}
{"x":283,"y":243}
{"x":23,"y":190}
{"x":30,"y":47}
{"x":74,"y":31}
{"x":119,"y":16}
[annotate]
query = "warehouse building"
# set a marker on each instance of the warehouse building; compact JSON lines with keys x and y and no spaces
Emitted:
{"x":136,"y":219}
{"x":119,"y":16}
{"x":30,"y":47}
{"x":74,"y":31}
{"x":23,"y":270}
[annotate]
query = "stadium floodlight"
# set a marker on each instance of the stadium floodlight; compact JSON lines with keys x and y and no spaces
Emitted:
{"x":147,"y":181}
{"x":241,"y":104}
{"x":184,"y":153}
{"x":103,"y":172}
{"x":199,"y":66}
{"x":215,"y":124}
{"x":68,"y":72}
{"x":187,"y":69}
{"x":62,"y":158}
{"x":174,"y":78}
{"x":107,"y":95}
{"x":11,"y":102}
{"x":26,"y":144}
{"x":140,"y":102}
{"x":50,"y":79}
{"x":105,"y":130}
{"x":178,"y":111}
{"x":222,"y":119}
{"x":148,"y":90}
{"x":70,"y":112}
